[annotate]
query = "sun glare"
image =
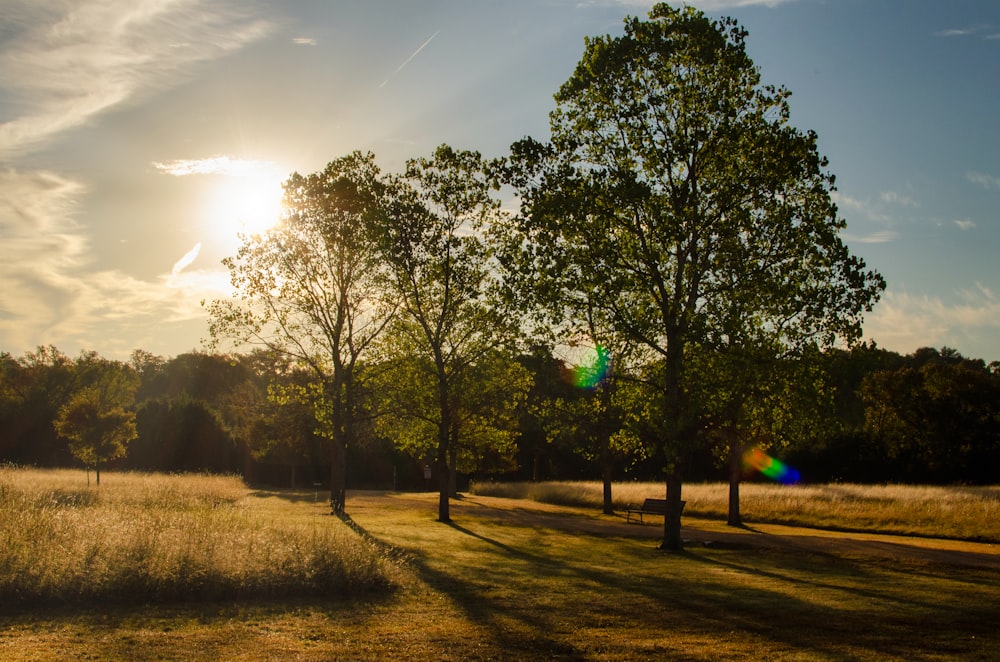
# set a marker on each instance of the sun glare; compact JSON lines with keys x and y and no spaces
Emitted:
{"x":245,"y":204}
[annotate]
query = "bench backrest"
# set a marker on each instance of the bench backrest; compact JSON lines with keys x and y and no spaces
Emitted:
{"x":655,"y":506}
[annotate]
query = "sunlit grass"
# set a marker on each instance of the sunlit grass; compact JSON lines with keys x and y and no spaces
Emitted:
{"x":515,"y":580}
{"x":964,"y":513}
{"x":143,"y":537}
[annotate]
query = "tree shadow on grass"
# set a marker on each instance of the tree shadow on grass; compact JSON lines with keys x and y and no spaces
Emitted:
{"x":298,"y":495}
{"x":530,"y":598}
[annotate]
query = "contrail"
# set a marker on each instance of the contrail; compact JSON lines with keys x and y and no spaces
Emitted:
{"x":186,"y":260}
{"x":407,"y":60}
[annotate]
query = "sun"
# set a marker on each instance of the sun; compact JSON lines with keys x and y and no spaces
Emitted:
{"x":245,"y":204}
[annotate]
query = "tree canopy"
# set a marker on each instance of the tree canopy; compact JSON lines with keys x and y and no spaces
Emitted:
{"x":99,"y":420}
{"x":675,"y":189}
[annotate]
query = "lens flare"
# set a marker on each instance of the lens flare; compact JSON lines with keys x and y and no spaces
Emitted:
{"x":594,"y":368}
{"x":774,"y":469}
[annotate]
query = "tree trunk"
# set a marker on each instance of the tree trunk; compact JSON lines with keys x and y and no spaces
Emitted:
{"x":444,"y":436}
{"x":673,"y":407}
{"x":444,"y":514}
{"x":452,"y":471}
{"x":338,"y":445}
{"x":672,"y":520}
{"x":735,"y":474}
{"x":338,"y":475}
{"x":609,"y":508}
{"x":97,"y":472}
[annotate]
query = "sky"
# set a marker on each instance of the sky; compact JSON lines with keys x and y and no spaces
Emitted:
{"x":139,"y":137}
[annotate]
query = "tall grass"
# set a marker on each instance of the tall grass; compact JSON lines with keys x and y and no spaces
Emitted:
{"x":148,"y":538}
{"x":963,"y":513}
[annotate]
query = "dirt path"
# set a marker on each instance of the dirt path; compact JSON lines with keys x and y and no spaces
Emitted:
{"x":695,"y":531}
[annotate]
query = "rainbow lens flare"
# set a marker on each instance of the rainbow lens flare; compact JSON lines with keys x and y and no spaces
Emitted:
{"x":593,"y":369}
{"x":774,"y":469}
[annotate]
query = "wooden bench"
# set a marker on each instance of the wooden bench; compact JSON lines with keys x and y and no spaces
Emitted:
{"x":649,"y":507}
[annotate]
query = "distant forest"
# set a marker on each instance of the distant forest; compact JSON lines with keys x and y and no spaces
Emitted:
{"x":864,"y":415}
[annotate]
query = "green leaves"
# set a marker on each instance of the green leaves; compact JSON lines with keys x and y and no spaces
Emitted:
{"x":98,"y":420}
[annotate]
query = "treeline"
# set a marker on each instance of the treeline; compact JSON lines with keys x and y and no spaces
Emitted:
{"x":873,"y":416}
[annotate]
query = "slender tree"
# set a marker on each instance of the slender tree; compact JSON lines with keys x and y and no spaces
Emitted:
{"x":675,"y":182}
{"x":440,"y":271}
{"x":99,"y":419}
{"x":310,"y":288}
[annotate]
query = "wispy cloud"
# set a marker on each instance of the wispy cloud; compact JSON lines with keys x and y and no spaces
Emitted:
{"x":956,"y":32}
{"x":216,"y":165}
{"x":71,"y":61}
{"x":896,"y":198}
{"x":984,"y":180}
{"x":968,"y":31}
{"x":869,"y":211}
{"x":969,"y":322}
{"x":304,"y":41}
{"x":880,"y":237}
{"x":965,"y":224}
{"x":707,"y":5}
{"x":53,"y":295}
{"x":409,"y":59}
{"x":41,"y":244}
{"x":713,"y":5}
{"x":886,"y":212}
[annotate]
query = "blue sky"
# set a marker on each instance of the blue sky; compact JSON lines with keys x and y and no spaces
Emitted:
{"x":137,"y":138}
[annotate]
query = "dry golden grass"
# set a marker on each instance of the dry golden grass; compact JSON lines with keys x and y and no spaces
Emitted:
{"x":516,"y":580}
{"x":962,"y":513}
{"x":142,"y":537}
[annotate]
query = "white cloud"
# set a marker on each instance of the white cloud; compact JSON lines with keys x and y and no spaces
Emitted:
{"x":868,"y":210}
{"x":705,"y":5}
{"x":880,"y":237}
{"x":979,"y":28}
{"x":71,"y":61}
{"x":216,"y":165}
{"x":870,"y":213}
{"x":955,"y":32}
{"x":969,"y":322}
{"x":984,"y":180}
{"x":965,"y":224}
{"x":895,"y":198}
{"x":304,"y":41}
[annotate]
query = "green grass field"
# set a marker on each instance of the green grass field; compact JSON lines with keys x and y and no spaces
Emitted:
{"x":510,"y":579}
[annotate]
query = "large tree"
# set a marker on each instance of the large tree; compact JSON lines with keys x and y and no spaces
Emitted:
{"x":440,"y":271}
{"x":675,"y":181}
{"x":310,"y":288}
